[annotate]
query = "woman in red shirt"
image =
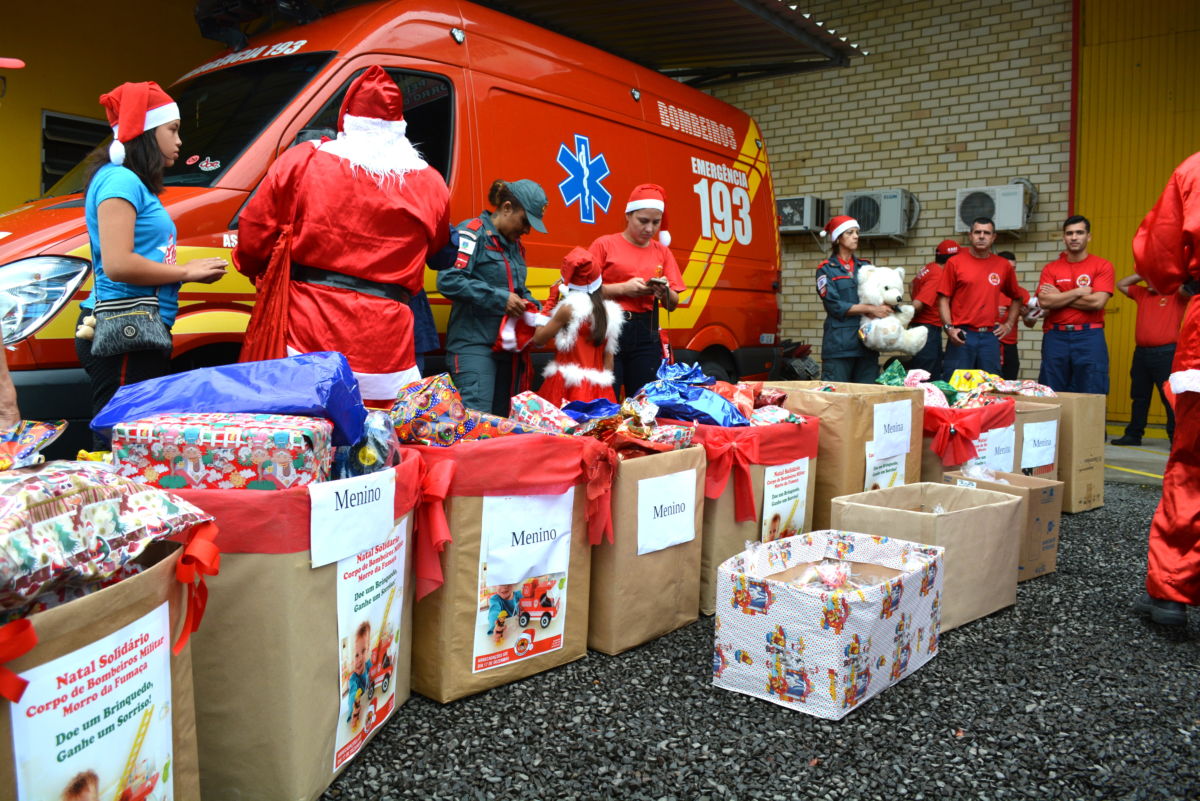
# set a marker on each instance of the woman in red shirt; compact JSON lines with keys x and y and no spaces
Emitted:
{"x":637,"y":270}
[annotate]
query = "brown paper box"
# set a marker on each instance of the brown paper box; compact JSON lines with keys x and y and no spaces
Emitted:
{"x":267,"y":664}
{"x":980,"y":530}
{"x":724,"y":537}
{"x":444,"y":621}
{"x":636,"y":599}
{"x":1037,"y":413}
{"x":1042,"y":499}
{"x":1080,"y":448}
{"x":847,"y":425}
{"x":81,"y":622}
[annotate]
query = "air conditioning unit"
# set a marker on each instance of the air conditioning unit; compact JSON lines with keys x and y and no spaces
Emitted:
{"x":798,"y":214}
{"x":883,"y":212}
{"x":1005,"y":204}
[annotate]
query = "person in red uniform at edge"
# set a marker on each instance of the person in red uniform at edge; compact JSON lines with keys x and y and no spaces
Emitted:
{"x":1073,"y":290}
{"x":1166,"y":252}
{"x":924,"y":293}
{"x":585,"y":329}
{"x":368,"y":212}
{"x":1155,"y":334}
{"x":1010,"y":359}
{"x":968,"y":296}
{"x":638,"y":269}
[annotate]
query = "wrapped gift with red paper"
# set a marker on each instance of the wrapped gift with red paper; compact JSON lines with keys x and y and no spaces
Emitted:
{"x":220,"y":450}
{"x":955,"y":437}
{"x":284,"y":629}
{"x":503,"y":559}
{"x":759,"y":486}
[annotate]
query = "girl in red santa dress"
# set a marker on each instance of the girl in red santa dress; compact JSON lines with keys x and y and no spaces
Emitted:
{"x":585,"y":329}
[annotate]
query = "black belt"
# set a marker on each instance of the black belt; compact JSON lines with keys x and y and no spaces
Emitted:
{"x":315,"y":275}
{"x":1076,"y":326}
{"x":628,"y":315}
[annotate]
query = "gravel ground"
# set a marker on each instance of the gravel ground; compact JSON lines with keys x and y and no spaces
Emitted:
{"x":1066,"y":695}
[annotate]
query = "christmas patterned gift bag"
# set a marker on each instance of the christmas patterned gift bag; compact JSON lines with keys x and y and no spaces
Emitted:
{"x":820,"y":622}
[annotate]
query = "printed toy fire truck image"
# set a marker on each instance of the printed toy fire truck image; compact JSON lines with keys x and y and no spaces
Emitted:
{"x":536,"y":602}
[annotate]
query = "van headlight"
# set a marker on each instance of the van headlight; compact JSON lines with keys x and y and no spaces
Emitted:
{"x":33,"y":290}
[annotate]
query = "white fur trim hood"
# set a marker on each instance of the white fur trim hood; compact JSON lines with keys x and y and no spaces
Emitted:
{"x":581,"y":312}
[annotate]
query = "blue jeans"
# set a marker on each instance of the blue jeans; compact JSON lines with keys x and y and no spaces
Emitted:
{"x":1151,"y":368}
{"x":1075,"y":361}
{"x":851,"y":369}
{"x":980,"y":351}
{"x":929,"y":358}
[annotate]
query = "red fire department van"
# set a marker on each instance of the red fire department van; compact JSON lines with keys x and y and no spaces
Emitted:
{"x":487,"y":96}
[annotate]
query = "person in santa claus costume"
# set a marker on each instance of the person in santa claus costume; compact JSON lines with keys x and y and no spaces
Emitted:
{"x":640,"y":274}
{"x":132,"y":236}
{"x":585,"y":329}
{"x":1166,"y":252}
{"x":366,"y":213}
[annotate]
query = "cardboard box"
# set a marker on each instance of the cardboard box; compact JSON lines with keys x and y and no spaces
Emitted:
{"x":980,"y":530}
{"x":637,"y":594}
{"x":1081,"y":448}
{"x":724,"y":535}
{"x":849,"y":422}
{"x":224,"y":450}
{"x":1039,"y":434}
{"x":995,"y":448}
{"x":1042,"y":499}
{"x":818,"y":651}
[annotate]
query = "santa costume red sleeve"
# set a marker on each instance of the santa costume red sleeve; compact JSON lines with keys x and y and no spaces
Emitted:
{"x":1166,"y":255}
{"x":368,"y":212}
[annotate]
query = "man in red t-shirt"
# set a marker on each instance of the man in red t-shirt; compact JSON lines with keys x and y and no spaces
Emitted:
{"x":968,"y":296}
{"x":1074,"y":290}
{"x":1010,"y":359}
{"x":924,"y":294}
{"x":1155,"y":335}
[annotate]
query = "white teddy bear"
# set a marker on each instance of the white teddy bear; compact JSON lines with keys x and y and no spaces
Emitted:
{"x":883,"y":286}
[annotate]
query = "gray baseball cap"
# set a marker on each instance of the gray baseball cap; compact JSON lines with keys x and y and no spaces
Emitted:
{"x":532,"y":200}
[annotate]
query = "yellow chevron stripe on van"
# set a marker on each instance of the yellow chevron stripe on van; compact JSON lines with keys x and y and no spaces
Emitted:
{"x":707,"y":259}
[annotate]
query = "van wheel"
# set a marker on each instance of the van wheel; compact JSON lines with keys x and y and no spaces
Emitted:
{"x":719,"y":366}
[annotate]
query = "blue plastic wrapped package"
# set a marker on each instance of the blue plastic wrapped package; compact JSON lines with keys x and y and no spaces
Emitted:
{"x":597,"y":409}
{"x":686,"y":373}
{"x":310,"y":385}
{"x":679,"y":401}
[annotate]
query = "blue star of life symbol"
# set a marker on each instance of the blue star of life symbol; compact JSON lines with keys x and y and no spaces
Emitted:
{"x":585,"y":176}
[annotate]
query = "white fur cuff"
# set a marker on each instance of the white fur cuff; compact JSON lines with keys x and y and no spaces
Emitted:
{"x":1185,"y":381}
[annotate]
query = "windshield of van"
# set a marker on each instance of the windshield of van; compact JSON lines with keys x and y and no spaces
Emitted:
{"x":221,"y":113}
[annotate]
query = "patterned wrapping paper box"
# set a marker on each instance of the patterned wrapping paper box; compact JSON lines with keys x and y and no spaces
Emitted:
{"x":224,"y":451}
{"x":820,"y":651}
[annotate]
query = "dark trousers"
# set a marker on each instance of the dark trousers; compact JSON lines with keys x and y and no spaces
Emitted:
{"x":1151,"y":368}
{"x":929,"y":358}
{"x":1075,"y":361}
{"x":1010,"y":361}
{"x":485,"y":379}
{"x":110,"y":373}
{"x":851,"y":369}
{"x":980,"y":351}
{"x":639,"y":353}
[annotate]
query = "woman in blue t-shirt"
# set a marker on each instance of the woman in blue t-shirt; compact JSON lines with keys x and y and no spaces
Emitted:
{"x":132,"y":236}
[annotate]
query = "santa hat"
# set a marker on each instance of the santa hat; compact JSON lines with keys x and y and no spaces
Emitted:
{"x":947,"y":247}
{"x":838,"y":226}
{"x":516,"y":332}
{"x":580,"y":272}
{"x":651,"y":196}
{"x":371,"y":128}
{"x":133,"y":109}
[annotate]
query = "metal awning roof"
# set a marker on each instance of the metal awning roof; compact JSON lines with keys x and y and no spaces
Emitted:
{"x":699,"y":42}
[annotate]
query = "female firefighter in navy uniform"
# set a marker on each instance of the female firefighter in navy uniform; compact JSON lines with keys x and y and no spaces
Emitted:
{"x":843,"y":355}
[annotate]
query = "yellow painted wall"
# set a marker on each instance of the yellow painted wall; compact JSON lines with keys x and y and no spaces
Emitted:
{"x":74,"y":51}
{"x":1139,"y":116}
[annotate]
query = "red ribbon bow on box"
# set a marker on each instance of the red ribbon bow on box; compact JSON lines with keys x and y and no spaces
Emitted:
{"x":201,"y":557}
{"x":16,"y":639}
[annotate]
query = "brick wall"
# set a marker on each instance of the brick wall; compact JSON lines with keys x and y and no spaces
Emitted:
{"x":954,"y":93}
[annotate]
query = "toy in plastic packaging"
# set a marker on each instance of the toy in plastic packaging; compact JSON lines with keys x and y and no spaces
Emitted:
{"x":378,"y":450}
{"x":310,"y":385}
{"x":76,"y":523}
{"x":21,"y":445}
{"x":982,"y":473}
{"x":431,"y":412}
